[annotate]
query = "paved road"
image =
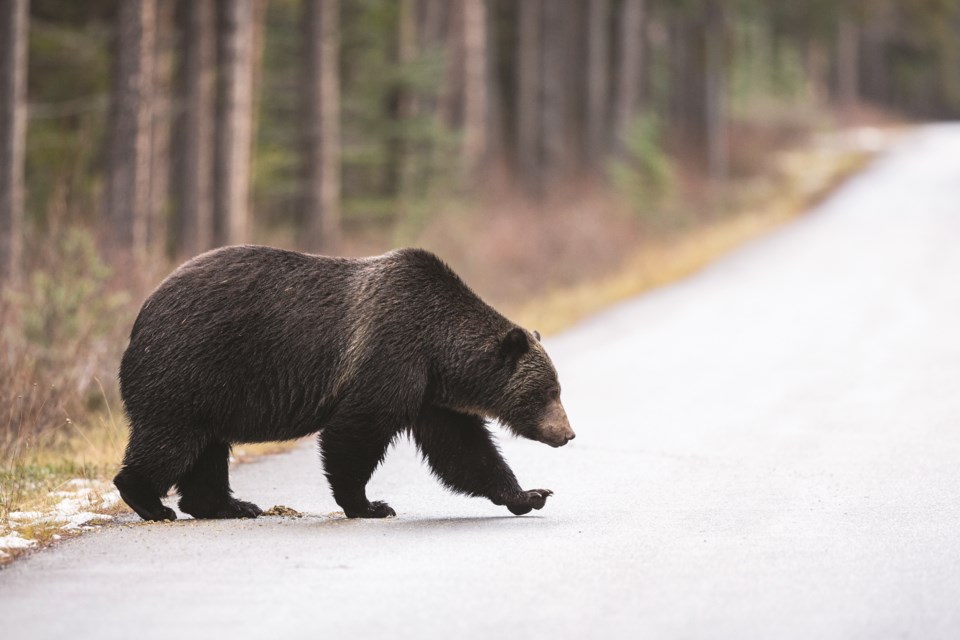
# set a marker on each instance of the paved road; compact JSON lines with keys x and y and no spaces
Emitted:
{"x":770,"y":448}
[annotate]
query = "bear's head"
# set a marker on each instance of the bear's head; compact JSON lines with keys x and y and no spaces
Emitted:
{"x":529,"y":403}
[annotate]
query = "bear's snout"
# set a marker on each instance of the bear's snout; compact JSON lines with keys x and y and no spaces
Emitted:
{"x":555,"y":429}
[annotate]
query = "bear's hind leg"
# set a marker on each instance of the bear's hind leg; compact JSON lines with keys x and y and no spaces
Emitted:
{"x":351,"y":453}
{"x":205,"y":488}
{"x":142,"y":495}
{"x":151,"y":464}
{"x":463,"y":455}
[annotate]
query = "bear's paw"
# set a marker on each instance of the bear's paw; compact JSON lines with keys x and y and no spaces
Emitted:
{"x":526,"y":501}
{"x":373,"y":510}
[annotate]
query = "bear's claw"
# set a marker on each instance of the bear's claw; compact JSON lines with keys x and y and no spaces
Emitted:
{"x":231,"y":510}
{"x":245,"y":509}
{"x":529,"y":500}
{"x":165,"y":514}
{"x":376,"y":509}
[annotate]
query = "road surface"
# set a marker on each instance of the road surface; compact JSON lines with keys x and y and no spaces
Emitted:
{"x":770,"y":448}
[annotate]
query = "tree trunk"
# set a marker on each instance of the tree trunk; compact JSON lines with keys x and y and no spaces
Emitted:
{"x":128,"y":181}
{"x":555,"y":104}
{"x":399,"y":157}
{"x":161,"y":129}
{"x":847,"y":65}
{"x":598,"y":80}
{"x":815,"y":69}
{"x":408,"y":105}
{"x":195,"y":220}
{"x":406,"y":53}
{"x":475,"y":99}
{"x":496,"y":77}
{"x":322,"y":124}
{"x":256,"y":88}
{"x":14,"y":27}
{"x":716,"y":88}
{"x":688,"y":89}
{"x":528,"y":134}
{"x":430,"y":29}
{"x":448,"y":104}
{"x":432,"y":15}
{"x":630,"y":65}
{"x":234,"y":124}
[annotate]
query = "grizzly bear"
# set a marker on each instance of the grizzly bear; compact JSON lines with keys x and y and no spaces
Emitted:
{"x":252,"y":344}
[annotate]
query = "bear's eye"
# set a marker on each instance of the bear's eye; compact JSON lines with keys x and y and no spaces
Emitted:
{"x":554,"y":394}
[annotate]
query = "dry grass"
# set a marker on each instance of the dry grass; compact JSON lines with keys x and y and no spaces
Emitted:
{"x":39,"y":479}
{"x":41,"y":474}
{"x":804,"y":178}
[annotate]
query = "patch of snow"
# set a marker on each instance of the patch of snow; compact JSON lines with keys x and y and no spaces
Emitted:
{"x":82,"y":518}
{"x":14,"y":541}
{"x":24,"y":515}
{"x":69,"y":506}
{"x":76,"y":509}
{"x":109,"y":499}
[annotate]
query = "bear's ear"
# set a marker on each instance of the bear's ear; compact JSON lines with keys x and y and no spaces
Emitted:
{"x":514,"y":344}
{"x":536,"y":334}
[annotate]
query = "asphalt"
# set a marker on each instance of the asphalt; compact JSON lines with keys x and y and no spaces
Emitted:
{"x":770,"y":448}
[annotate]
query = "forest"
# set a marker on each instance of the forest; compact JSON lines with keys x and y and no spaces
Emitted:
{"x":533,"y":144}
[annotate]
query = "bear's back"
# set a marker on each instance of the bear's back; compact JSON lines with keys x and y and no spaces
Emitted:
{"x":242,"y":280}
{"x":239,"y":322}
{"x":255,"y":334}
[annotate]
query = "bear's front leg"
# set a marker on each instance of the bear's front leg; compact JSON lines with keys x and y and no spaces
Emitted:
{"x":351,"y":451}
{"x":462,"y":453}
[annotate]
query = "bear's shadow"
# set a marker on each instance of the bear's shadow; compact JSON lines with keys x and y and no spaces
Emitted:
{"x":326,"y":520}
{"x":413,"y":522}
{"x":458,"y":521}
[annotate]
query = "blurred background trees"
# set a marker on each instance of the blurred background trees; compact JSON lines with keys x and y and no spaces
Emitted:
{"x":534,"y":144}
{"x":173,"y":126}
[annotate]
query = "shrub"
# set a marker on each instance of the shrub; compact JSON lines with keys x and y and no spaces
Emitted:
{"x":642,"y":171}
{"x":60,"y":345}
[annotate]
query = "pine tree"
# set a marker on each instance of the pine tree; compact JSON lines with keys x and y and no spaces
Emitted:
{"x":13,"y":125}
